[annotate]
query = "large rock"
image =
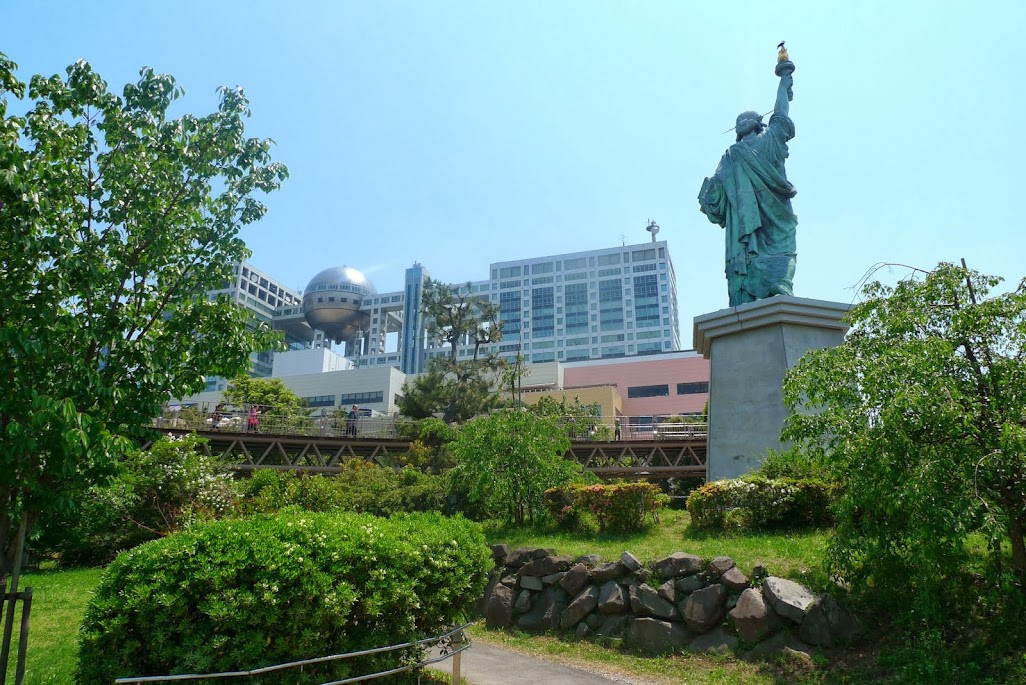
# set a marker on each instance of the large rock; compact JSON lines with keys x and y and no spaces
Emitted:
{"x":499,"y":552}
{"x":720,"y":565}
{"x":652,"y":636}
{"x":499,"y":607}
{"x":493,"y":580}
{"x":668,"y":591}
{"x":553,"y":578}
{"x":519,"y":556}
{"x":523,"y":603}
{"x":783,"y":644}
{"x":545,"y":566}
{"x":704,"y":609}
{"x":544,"y":615}
{"x":612,"y":599}
{"x":752,"y":618}
{"x":687,"y":585}
{"x":646,"y":601}
{"x":606,"y":572}
{"x":613,"y":626}
{"x":531,"y":583}
{"x":579,"y":608}
{"x":630,"y":562}
{"x":575,"y":580}
{"x":717,"y":640}
{"x":588,"y":559}
{"x":734,"y":579}
{"x":677,"y":564}
{"x":582,"y":631}
{"x":826,"y":623}
{"x":788,"y":598}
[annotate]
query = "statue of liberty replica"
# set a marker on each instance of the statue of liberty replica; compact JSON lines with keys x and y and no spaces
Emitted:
{"x":750,"y":197}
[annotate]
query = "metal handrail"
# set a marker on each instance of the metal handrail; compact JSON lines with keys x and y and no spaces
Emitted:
{"x":323,"y":659}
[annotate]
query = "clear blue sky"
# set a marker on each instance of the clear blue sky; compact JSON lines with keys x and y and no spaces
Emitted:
{"x":460,"y":133}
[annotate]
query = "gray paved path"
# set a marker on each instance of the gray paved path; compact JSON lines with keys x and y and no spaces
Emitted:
{"x":485,"y":664}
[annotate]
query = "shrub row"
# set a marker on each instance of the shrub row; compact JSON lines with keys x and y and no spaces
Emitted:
{"x":174,"y":484}
{"x":617,"y":507}
{"x":360,"y":487}
{"x":239,"y":594}
{"x":759,"y":502}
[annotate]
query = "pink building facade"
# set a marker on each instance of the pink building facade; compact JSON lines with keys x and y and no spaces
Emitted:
{"x":665,"y":384}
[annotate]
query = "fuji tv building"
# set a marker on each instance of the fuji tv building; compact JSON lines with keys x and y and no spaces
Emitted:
{"x":600,"y":326}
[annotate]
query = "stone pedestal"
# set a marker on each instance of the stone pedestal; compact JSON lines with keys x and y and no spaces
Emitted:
{"x":750,"y":347}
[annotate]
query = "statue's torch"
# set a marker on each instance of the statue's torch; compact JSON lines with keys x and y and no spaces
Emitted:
{"x":784,"y":66}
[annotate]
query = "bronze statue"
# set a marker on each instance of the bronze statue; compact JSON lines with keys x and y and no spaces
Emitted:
{"x":750,"y":196}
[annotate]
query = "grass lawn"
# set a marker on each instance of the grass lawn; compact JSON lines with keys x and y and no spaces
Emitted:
{"x":58,"y":603}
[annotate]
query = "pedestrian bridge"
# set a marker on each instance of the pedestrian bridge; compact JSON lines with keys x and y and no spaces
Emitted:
{"x":670,"y":455}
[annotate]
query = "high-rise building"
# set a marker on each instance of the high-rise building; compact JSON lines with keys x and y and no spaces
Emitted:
{"x":598,"y":304}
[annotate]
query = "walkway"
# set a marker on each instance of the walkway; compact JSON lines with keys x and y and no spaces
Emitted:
{"x":485,"y":664}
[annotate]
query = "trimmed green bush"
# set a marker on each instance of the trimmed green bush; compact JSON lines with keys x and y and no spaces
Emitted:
{"x":617,"y":507}
{"x":240,"y":594}
{"x":758,"y":502}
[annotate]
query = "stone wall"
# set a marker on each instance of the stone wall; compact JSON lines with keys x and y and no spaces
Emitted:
{"x":679,"y":603}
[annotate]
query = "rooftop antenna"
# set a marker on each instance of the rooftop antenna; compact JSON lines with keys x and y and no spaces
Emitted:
{"x":623,"y":240}
{"x":652,"y":228}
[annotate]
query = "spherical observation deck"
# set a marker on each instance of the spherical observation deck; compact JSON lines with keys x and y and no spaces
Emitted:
{"x":332,"y":300}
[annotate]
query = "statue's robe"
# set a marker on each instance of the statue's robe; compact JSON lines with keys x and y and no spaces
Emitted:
{"x":750,"y":196}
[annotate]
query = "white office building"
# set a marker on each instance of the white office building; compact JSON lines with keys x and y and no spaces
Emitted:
{"x":599,"y":304}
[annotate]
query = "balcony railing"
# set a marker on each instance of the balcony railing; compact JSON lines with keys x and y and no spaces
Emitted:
{"x":326,"y":424}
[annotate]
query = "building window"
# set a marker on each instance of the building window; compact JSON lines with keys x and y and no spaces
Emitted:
{"x":320,"y":401}
{"x":362,"y":397}
{"x":693,"y":388}
{"x":648,"y":391}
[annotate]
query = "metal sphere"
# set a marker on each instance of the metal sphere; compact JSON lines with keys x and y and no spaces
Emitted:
{"x":332,"y":300}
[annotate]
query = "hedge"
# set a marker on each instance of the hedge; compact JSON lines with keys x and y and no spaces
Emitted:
{"x":617,"y":507}
{"x":240,"y":594}
{"x":758,"y":502}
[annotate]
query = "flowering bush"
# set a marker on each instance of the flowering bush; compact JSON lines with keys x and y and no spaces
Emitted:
{"x":758,"y":502}
{"x":617,"y":507}
{"x":243,"y":593}
{"x":156,"y":491}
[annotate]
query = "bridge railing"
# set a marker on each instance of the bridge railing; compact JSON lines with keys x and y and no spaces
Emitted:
{"x":327,"y":424}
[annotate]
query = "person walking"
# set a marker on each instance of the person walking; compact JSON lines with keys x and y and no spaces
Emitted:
{"x":351,"y":419}
{"x":253,"y":423}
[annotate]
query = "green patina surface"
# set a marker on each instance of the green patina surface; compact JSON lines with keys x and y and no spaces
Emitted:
{"x":750,"y":197}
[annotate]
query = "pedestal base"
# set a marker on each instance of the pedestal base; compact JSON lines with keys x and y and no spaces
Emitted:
{"x":750,"y":347}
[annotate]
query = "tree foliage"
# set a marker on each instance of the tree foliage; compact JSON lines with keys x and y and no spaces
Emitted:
{"x":457,"y":388}
{"x":921,"y":417}
{"x":506,"y":462}
{"x":578,"y":419}
{"x":270,"y":394}
{"x":116,"y":220}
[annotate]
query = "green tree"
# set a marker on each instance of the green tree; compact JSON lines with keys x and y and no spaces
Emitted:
{"x":506,"y":462}
{"x":116,"y":221}
{"x":581,"y":419}
{"x":270,"y":394}
{"x":921,"y":417}
{"x":456,"y":388}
